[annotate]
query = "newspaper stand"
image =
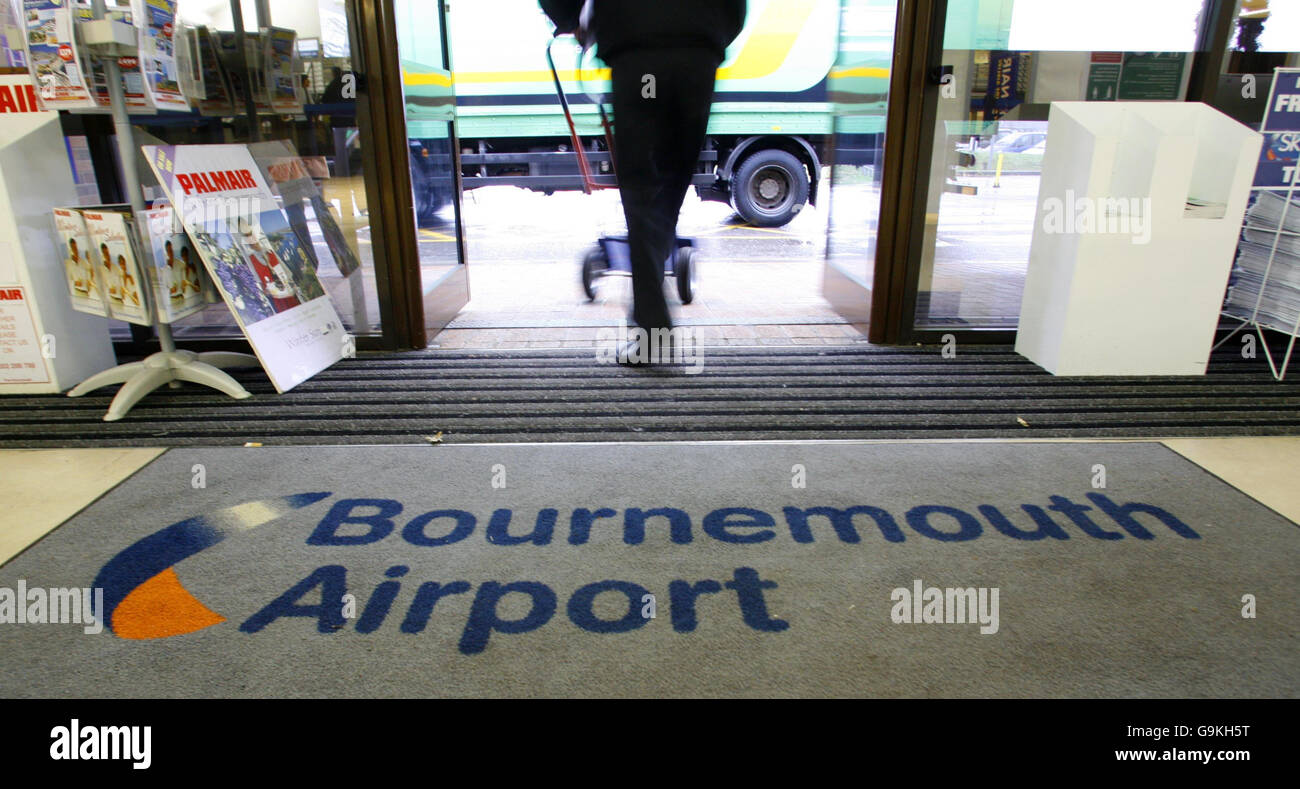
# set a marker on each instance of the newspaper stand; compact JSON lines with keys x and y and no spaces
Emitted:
{"x":1271,"y":269}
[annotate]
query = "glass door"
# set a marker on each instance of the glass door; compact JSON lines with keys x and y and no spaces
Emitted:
{"x":858,"y":89}
{"x":434,"y":160}
{"x":985,"y":133}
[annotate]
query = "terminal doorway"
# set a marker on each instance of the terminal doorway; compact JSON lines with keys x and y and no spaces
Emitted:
{"x":777,"y":163}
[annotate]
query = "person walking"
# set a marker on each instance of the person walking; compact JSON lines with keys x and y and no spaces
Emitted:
{"x":664,"y":56}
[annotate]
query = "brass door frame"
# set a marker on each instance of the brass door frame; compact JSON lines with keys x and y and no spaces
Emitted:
{"x":381,"y":115}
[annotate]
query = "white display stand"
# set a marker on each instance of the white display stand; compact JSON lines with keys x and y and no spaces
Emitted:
{"x":1097,"y":303}
{"x":45,"y":345}
{"x":169,"y":366}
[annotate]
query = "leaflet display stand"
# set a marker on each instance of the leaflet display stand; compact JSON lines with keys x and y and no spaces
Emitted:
{"x":1138,"y":214}
{"x":1279,"y":284}
{"x":46,"y":346}
{"x":170,"y":366}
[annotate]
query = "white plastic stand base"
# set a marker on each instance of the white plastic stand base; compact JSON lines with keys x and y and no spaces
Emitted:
{"x":167,"y":367}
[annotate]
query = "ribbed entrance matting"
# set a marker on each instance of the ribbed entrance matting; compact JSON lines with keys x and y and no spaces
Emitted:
{"x":850,"y":392}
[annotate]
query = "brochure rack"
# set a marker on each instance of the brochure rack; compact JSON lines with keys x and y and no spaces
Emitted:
{"x":1267,"y":300}
{"x":106,"y":41}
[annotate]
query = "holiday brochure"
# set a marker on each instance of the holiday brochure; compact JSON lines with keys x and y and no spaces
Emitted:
{"x":255,"y":258}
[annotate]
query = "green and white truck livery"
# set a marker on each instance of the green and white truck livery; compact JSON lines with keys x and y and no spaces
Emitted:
{"x":789,"y":85}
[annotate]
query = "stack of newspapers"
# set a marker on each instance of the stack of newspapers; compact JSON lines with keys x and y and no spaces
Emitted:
{"x":1265,"y":235}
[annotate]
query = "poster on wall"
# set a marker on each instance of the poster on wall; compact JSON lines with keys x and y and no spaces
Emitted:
{"x":254,"y":257}
{"x":176,"y":273}
{"x":1103,"y":76}
{"x":158,"y":60}
{"x":53,"y":57}
{"x":1152,"y":76}
{"x":279,"y":57}
{"x":22,"y":355}
{"x":85,"y":281}
{"x":125,"y":283}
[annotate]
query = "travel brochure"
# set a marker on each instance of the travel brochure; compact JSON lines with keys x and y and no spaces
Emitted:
{"x":113,"y":250}
{"x":176,"y":272}
{"x":158,"y":65}
{"x":259,"y":264}
{"x":85,"y":284}
{"x":52,"y":55}
{"x":282,"y":86}
{"x":176,"y":68}
{"x":102,"y":263}
{"x":218,"y":96}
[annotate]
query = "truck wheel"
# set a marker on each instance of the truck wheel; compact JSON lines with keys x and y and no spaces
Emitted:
{"x":769,"y":188}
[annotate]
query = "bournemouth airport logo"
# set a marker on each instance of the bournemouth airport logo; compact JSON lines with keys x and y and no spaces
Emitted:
{"x":143,"y":597}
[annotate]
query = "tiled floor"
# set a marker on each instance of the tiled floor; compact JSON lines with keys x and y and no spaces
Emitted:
{"x":44,"y":488}
{"x":707,"y":336}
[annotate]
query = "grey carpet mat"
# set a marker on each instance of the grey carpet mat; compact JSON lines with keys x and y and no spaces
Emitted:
{"x":757,"y":393}
{"x":524,"y":571}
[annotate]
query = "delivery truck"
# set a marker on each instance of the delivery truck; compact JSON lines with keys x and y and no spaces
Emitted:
{"x":774,"y":117}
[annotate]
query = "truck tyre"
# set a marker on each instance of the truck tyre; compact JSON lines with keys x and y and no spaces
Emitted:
{"x":769,"y":188}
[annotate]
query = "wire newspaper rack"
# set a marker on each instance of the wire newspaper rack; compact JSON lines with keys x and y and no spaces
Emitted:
{"x":1264,"y":291}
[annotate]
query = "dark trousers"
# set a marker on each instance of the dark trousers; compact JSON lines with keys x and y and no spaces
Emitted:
{"x":657,"y":141}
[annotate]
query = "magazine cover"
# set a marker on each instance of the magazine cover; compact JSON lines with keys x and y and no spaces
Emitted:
{"x":53,"y":57}
{"x":158,"y":62}
{"x":176,"y":271}
{"x":254,"y":257}
{"x":85,"y":281}
{"x":112,"y":243}
{"x":281,"y":82}
{"x":218,"y":97}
